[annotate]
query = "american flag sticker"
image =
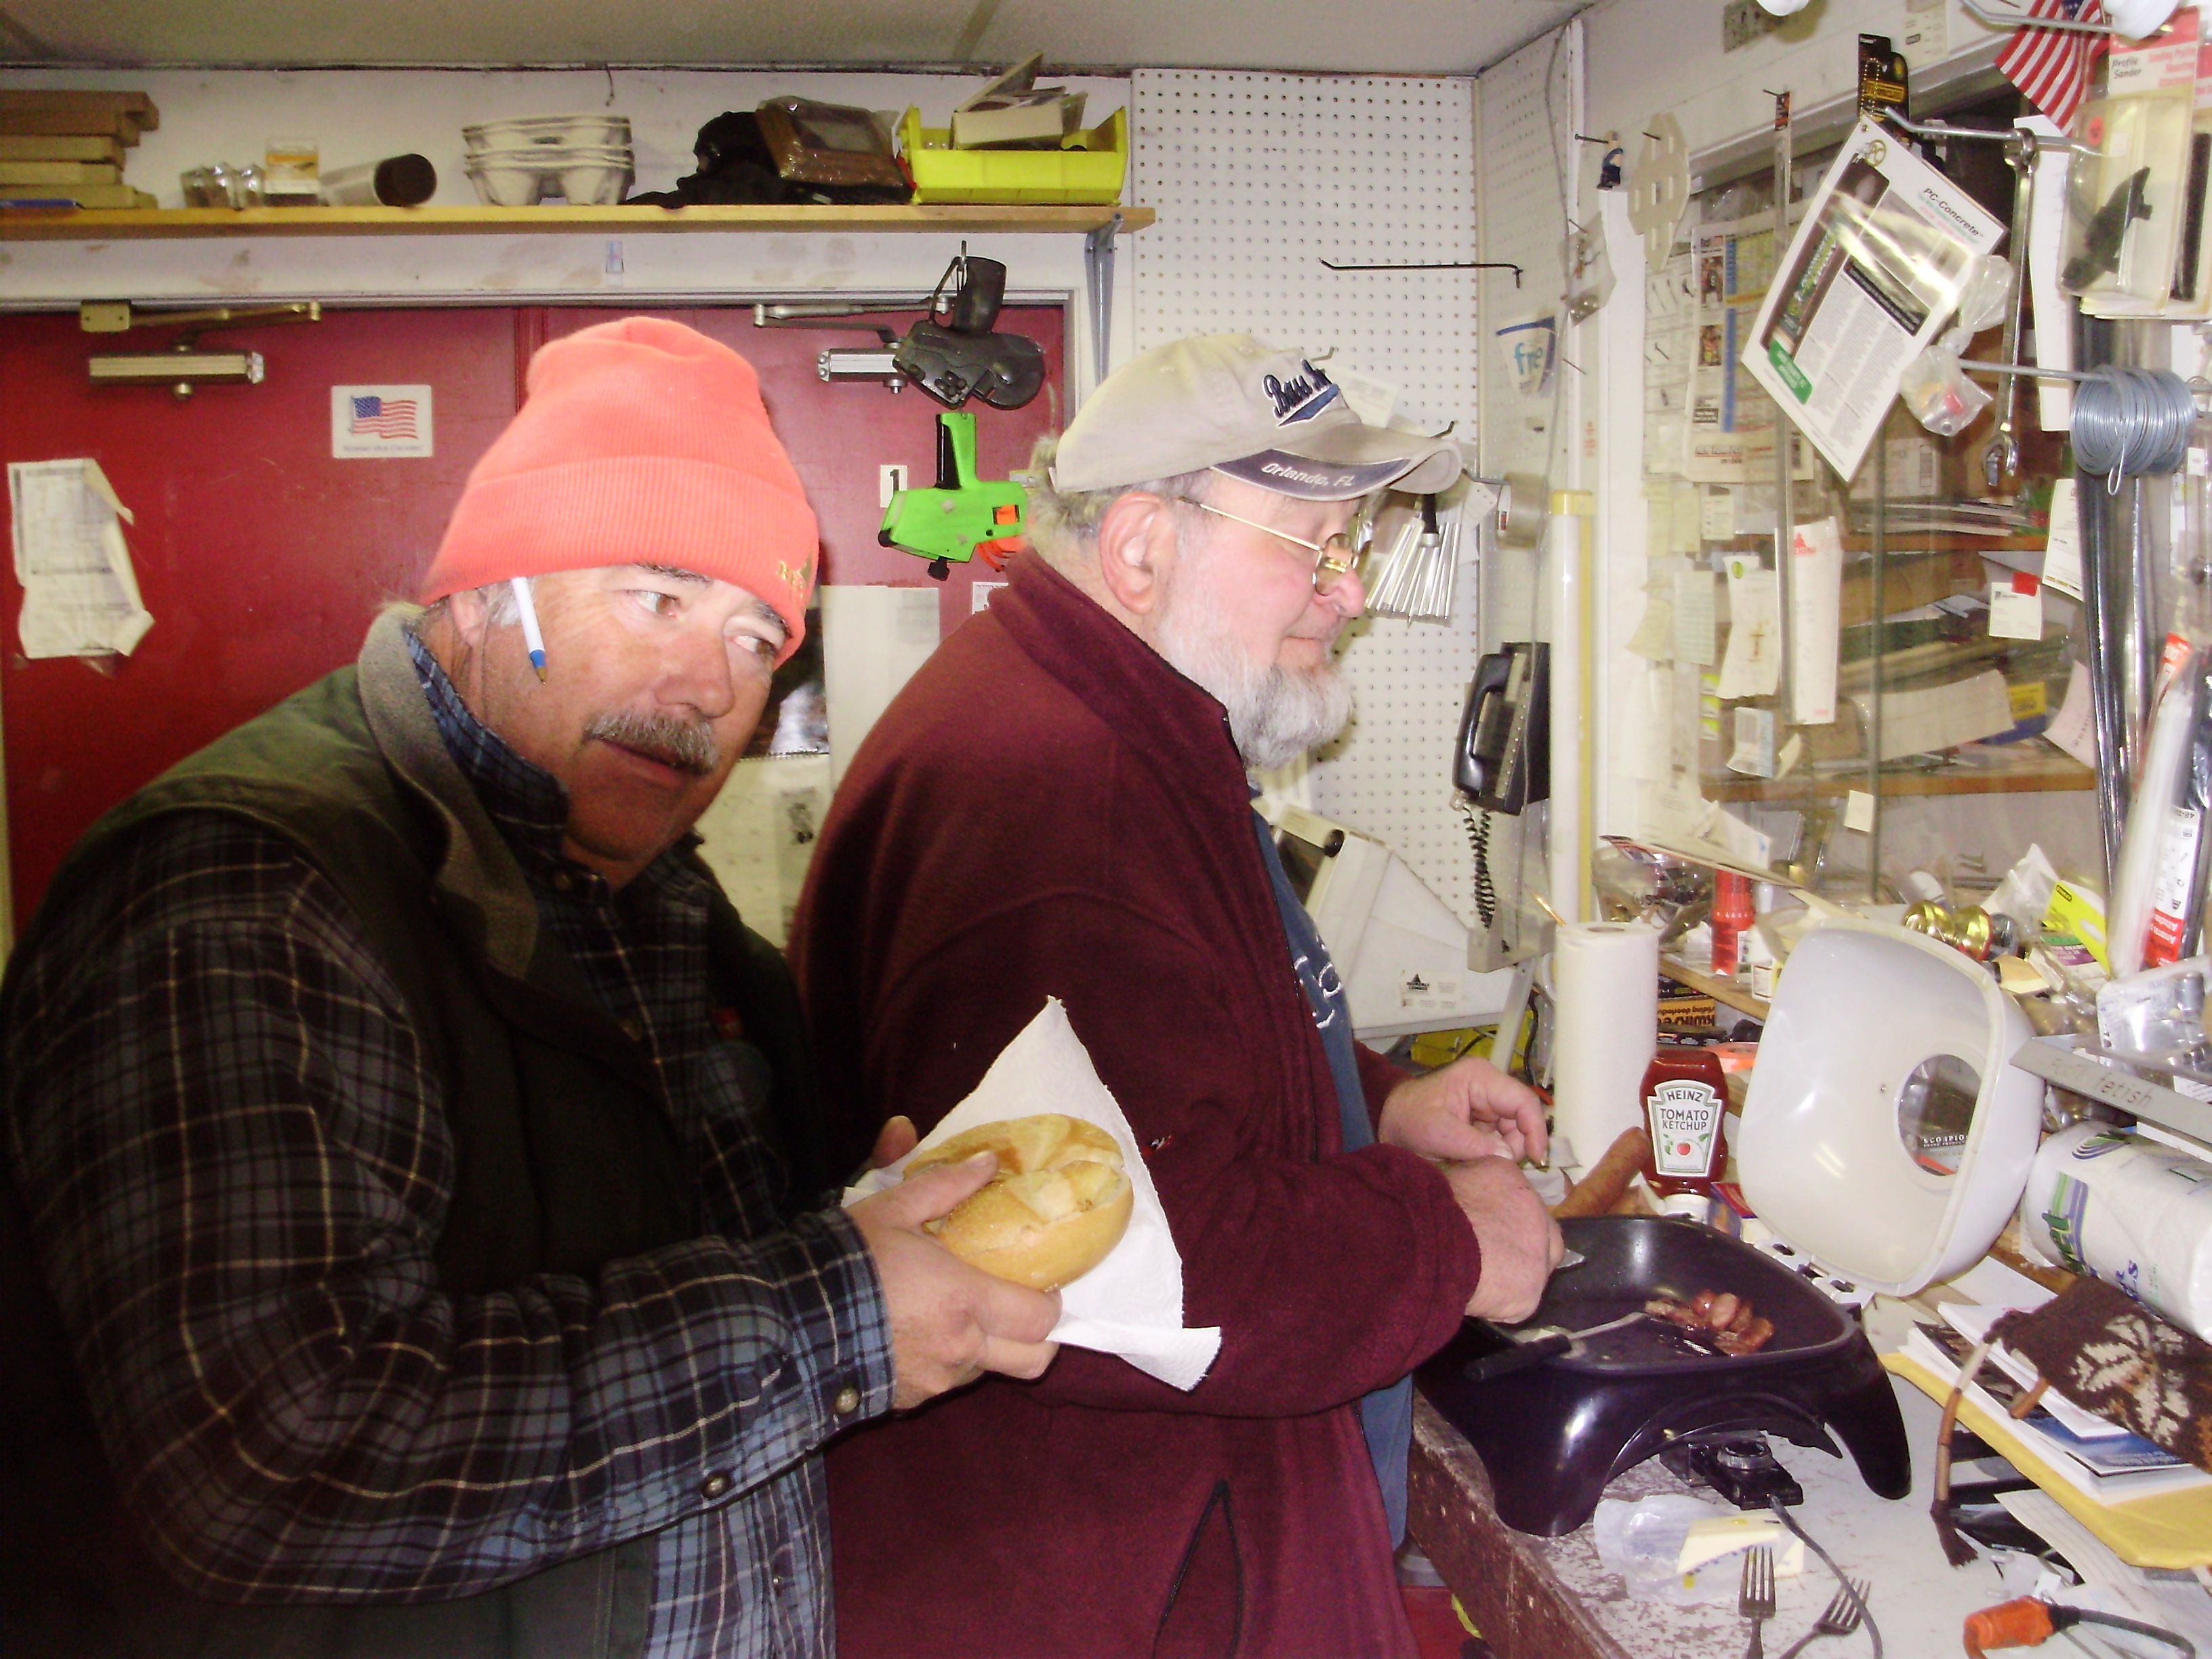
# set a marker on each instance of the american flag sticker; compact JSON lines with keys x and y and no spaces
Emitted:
{"x":379,"y":421}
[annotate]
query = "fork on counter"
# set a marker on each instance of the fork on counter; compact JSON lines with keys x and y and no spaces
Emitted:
{"x":1755,"y":1598}
{"x":1840,"y":1618}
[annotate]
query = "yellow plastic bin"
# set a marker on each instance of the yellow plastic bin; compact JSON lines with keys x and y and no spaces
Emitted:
{"x":1087,"y":168}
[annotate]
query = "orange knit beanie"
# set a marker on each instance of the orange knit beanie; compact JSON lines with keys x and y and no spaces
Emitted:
{"x":640,"y":442}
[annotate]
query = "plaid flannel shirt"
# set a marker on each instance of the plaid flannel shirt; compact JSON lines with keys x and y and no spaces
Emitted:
{"x":238,"y":1167}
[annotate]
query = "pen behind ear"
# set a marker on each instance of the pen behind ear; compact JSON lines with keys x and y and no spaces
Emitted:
{"x":531,"y":637}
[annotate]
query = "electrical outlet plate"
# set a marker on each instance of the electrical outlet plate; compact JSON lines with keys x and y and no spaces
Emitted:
{"x":1743,"y":21}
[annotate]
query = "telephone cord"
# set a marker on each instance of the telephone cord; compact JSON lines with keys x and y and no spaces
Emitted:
{"x":1477,"y":836}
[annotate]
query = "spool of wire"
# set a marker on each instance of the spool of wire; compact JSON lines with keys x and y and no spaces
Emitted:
{"x":2128,"y":421}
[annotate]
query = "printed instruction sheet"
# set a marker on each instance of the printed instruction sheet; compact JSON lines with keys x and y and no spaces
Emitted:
{"x":1872,"y":274}
{"x":80,"y":593}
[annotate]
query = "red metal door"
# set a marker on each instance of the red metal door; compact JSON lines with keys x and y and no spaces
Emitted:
{"x":263,"y":558}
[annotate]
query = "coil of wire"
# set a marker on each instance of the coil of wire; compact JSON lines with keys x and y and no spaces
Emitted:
{"x":2130,"y":421}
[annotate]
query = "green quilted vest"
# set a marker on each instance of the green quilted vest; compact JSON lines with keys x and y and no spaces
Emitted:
{"x":565,"y":1160}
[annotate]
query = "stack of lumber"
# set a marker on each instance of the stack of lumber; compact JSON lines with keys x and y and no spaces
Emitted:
{"x":67,"y":147}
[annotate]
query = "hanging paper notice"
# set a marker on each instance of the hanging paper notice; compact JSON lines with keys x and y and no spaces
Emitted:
{"x":2070,"y":729}
{"x":1751,"y":665}
{"x":1694,"y":617}
{"x":2061,"y":554}
{"x":1816,"y":587}
{"x":1872,"y":274}
{"x":80,"y":593}
{"x":372,"y":422}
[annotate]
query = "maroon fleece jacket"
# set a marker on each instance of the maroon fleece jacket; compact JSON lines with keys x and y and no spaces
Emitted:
{"x":1049,"y":809}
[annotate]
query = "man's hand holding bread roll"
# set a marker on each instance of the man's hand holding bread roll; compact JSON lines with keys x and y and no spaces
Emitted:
{"x":950,"y":1323}
{"x":1059,"y":1204}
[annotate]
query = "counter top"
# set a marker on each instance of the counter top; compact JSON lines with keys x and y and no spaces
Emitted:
{"x":1551,"y":1598}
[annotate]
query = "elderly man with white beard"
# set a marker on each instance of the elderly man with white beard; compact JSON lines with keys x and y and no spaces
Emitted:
{"x":1059,"y":805}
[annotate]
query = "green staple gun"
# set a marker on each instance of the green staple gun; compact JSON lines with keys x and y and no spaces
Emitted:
{"x":963,"y":514}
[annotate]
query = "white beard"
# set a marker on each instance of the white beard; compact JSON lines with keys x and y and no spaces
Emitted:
{"x":1275,"y":714}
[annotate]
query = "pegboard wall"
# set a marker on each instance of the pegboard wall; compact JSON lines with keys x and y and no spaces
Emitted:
{"x":1258,"y":178}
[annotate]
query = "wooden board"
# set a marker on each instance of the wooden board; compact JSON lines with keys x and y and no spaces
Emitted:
{"x":969,"y":220}
{"x":109,"y":197}
{"x":59,"y":173}
{"x":135,"y":107}
{"x":66,"y":123}
{"x":62,"y":148}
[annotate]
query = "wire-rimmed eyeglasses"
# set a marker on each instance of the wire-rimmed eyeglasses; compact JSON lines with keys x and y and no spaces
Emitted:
{"x":1333,"y":559}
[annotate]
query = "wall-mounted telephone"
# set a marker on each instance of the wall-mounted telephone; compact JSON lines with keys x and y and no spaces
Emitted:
{"x":1505,"y":757}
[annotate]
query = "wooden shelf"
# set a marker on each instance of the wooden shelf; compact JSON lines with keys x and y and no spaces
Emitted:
{"x":1720,"y":990}
{"x":51,"y":225}
{"x":1902,"y":542}
{"x":2036,"y":769}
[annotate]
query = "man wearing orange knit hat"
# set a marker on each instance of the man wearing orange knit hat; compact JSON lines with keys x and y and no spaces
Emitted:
{"x":414,"y":1221}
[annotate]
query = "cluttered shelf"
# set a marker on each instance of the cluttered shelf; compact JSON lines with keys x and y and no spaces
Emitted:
{"x":29,"y":224}
{"x":1725,"y":991}
{"x":1989,"y":772}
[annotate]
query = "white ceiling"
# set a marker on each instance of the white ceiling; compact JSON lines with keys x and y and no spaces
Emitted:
{"x":1398,"y":37}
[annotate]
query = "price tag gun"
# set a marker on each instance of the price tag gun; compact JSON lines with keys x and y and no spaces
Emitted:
{"x":963,"y":515}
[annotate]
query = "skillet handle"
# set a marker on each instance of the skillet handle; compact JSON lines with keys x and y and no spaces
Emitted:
{"x":1517,"y":1357}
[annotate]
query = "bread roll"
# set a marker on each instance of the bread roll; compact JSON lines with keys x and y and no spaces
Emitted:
{"x":1059,"y":1203}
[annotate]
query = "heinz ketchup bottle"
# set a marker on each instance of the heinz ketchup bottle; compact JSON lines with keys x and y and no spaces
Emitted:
{"x":1685,"y":1097}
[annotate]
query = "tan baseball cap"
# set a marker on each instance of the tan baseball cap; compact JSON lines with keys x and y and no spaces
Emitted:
{"x":1240,"y":406}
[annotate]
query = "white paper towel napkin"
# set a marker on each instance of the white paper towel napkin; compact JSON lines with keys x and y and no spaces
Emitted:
{"x":1131,"y":1303}
{"x":1606,"y":975}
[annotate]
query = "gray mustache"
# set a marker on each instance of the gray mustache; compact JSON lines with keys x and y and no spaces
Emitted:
{"x":687,"y":745}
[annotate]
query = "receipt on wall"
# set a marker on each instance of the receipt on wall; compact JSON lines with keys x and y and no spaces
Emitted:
{"x":80,"y":593}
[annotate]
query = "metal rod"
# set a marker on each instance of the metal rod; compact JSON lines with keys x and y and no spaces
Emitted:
{"x":2142,"y":627}
{"x":2010,"y":369}
{"x":2106,"y":650}
{"x":2017,"y":20}
{"x":1450,"y":265}
{"x":1983,"y":135}
{"x":2000,"y":460}
{"x":1784,"y":575}
{"x":1880,"y":555}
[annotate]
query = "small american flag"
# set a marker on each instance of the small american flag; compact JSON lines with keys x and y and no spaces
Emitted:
{"x":2050,"y":67}
{"x":386,"y":417}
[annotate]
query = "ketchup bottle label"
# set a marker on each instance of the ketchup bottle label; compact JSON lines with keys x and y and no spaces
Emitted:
{"x":1685,"y":1117}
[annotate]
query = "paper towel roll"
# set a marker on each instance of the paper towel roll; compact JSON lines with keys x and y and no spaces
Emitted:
{"x":1606,"y":975}
{"x":2127,"y":1209}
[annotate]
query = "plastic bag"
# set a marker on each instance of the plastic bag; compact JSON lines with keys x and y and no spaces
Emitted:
{"x":1935,"y":388}
{"x":1939,"y":394}
{"x":1642,"y":1541}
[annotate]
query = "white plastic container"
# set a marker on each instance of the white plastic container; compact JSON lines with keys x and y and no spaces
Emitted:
{"x":1885,"y":1132}
{"x":2127,"y":1209}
